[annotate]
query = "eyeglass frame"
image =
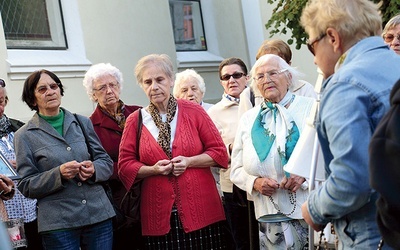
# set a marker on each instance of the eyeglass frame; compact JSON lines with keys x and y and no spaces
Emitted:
{"x":2,"y":83}
{"x":44,"y":88}
{"x":269,"y":78}
{"x":105,"y":87}
{"x":236,"y":75}
{"x":310,"y":45}
{"x":393,"y":36}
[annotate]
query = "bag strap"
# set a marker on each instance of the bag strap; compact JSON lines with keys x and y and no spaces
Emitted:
{"x":84,"y":135}
{"x":139,"y":133}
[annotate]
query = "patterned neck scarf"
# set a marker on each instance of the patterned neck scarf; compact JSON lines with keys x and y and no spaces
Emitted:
{"x":275,"y":125}
{"x":164,"y":135}
{"x":119,"y":116}
{"x":5,"y":126}
{"x":231,"y":98}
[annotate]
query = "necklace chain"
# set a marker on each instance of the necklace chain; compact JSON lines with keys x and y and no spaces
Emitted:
{"x":292,"y":199}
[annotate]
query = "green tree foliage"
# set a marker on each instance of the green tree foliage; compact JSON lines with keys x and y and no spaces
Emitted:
{"x":286,"y":16}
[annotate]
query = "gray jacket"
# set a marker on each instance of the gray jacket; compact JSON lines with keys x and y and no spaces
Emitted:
{"x":62,"y":204}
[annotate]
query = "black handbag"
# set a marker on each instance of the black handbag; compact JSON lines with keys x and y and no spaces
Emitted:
{"x":130,"y":203}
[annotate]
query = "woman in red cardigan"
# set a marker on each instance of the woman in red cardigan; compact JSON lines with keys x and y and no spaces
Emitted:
{"x":180,"y":205}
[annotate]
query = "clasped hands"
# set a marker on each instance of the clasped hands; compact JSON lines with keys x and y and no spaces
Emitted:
{"x":84,"y":170}
{"x":268,"y":186}
{"x":175,"y":166}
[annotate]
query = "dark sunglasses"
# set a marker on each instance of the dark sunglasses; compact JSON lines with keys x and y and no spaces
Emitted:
{"x":310,"y":45}
{"x":2,"y":83}
{"x":236,"y":75}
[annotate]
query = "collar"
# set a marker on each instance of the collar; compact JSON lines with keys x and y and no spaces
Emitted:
{"x":231,"y":98}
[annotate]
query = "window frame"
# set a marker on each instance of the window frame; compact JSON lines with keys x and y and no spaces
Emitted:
{"x":203,"y":60}
{"x":71,"y":63}
{"x":197,"y":27}
{"x":56,"y":24}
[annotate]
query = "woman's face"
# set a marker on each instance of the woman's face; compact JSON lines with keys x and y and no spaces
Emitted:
{"x":189,"y":90}
{"x":106,"y":90}
{"x":274,"y":84}
{"x":156,"y":85}
{"x":232,"y":86}
{"x":47,"y":95}
{"x":2,"y":101}
{"x":392,"y":38}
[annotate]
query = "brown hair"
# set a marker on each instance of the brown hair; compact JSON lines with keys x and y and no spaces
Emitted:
{"x":28,"y":92}
{"x":277,"y":47}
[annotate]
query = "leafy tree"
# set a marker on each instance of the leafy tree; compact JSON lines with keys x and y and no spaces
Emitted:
{"x":286,"y":16}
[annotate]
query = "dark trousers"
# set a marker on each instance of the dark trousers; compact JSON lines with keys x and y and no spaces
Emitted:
{"x":130,"y":236}
{"x":32,"y":236}
{"x":238,"y":220}
{"x":253,"y":225}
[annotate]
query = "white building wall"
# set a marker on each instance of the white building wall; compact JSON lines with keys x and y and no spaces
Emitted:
{"x":122,"y":31}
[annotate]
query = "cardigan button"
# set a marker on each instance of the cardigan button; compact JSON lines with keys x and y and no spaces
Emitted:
{"x":68,"y":148}
{"x":79,"y":184}
{"x":83,"y":201}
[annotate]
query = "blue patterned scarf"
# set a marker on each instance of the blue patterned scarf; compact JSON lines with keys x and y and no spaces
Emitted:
{"x":275,"y":125}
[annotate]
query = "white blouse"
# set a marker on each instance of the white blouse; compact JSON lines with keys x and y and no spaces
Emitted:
{"x":246,"y":166}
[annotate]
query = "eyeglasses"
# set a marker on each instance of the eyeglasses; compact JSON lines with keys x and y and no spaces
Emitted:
{"x":389,"y":37}
{"x":236,"y":75}
{"x":270,"y":75}
{"x":310,"y":45}
{"x":43,"y":89}
{"x":104,"y":88}
{"x":2,"y":83}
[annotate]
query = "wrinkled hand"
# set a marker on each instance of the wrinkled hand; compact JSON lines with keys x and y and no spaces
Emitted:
{"x":6,"y":185}
{"x":266,"y":186}
{"x":163,"y":167}
{"x":307,"y":218}
{"x":70,"y":169}
{"x":86,"y":171}
{"x":293,"y":183}
{"x":180,"y":164}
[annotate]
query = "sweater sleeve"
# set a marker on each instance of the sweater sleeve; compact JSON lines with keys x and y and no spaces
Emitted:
{"x":128,"y":164}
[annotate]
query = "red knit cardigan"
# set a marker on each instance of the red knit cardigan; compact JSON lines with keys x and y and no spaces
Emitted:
{"x":194,"y":191}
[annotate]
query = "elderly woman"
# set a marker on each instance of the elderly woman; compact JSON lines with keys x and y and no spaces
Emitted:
{"x":62,"y":171}
{"x":180,"y":205}
{"x":190,"y":86}
{"x":103,"y":83}
{"x":391,"y":34}
{"x":264,"y":141}
{"x":250,"y":98}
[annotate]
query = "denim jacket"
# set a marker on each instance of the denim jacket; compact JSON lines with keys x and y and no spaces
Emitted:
{"x":353,"y":101}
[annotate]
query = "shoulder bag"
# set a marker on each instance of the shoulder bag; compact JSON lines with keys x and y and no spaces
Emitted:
{"x":130,"y":203}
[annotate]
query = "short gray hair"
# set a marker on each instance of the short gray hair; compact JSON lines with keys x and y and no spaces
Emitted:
{"x":393,"y":22}
{"x":98,"y":70}
{"x":185,"y":75}
{"x":162,"y":61}
{"x":292,"y":73}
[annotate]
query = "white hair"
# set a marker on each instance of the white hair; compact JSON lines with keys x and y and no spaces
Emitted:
{"x":98,"y":70}
{"x":292,"y":73}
